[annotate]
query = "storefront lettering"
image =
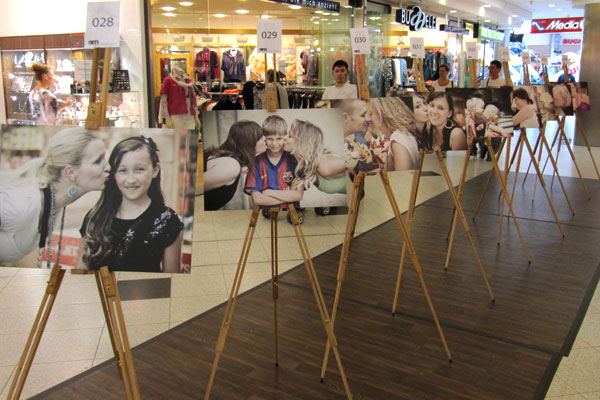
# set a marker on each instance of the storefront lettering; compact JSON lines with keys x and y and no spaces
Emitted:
{"x":571,"y":41}
{"x":318,"y":4}
{"x":557,"y":25}
{"x":416,"y":19}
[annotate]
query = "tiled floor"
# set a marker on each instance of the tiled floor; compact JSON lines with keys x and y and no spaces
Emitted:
{"x":76,"y":337}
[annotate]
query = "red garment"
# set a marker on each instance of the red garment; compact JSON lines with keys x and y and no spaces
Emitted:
{"x":177,"y":95}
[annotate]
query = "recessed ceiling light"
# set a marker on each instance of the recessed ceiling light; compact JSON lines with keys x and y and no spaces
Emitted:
{"x":295,"y":7}
{"x":168,"y":14}
{"x":242,"y":11}
{"x":452,"y":11}
{"x":186,"y":3}
{"x":550,"y":5}
{"x":265,"y":16}
{"x":326,"y":13}
{"x":316,"y":22}
{"x":559,"y":9}
{"x":318,"y":12}
{"x":167,"y":8}
{"x":487,"y":5}
{"x":347,"y":6}
{"x":514,"y":15}
{"x":486,"y":20}
{"x":219,"y":15}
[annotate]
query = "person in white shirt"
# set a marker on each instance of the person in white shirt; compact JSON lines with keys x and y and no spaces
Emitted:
{"x":494,"y":80}
{"x":342,"y":89}
{"x":443,"y":82}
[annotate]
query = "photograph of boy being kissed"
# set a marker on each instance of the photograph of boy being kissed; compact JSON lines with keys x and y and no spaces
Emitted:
{"x":272,"y":182}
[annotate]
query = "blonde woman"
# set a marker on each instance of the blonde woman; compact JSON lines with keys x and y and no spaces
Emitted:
{"x":316,"y":164}
{"x":393,"y":119}
{"x":45,"y":107}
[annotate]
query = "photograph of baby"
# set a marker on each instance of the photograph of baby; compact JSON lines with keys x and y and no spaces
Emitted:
{"x":254,"y":157}
{"x":483,"y":112}
{"x":581,"y":96}
{"x":563,"y":99}
{"x":544,"y":102}
{"x":116,"y":197}
{"x":526,"y":112}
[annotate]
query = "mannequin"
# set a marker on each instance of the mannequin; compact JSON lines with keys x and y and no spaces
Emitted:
{"x":178,"y":101}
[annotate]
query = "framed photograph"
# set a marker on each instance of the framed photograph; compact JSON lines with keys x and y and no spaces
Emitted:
{"x":272,"y":159}
{"x":581,"y":96}
{"x":563,"y":98}
{"x":116,"y":197}
{"x":544,"y":102}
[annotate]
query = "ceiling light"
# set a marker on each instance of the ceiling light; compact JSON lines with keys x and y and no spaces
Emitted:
{"x":452,"y":11}
{"x":186,"y":3}
{"x":550,"y":5}
{"x":347,"y":6}
{"x":219,"y":15}
{"x":295,"y":7}
{"x":315,"y":22}
{"x":486,"y":20}
{"x":514,"y":15}
{"x":326,"y":13}
{"x":265,"y":16}
{"x":487,"y":5}
{"x":167,"y":8}
{"x":168,"y":14}
{"x":242,"y":11}
{"x":559,"y":9}
{"x":319,"y":12}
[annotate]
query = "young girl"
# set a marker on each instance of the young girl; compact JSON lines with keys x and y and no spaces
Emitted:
{"x":130,"y":228}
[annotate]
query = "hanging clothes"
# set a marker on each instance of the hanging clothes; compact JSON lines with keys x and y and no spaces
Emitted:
{"x":233,"y":66}
{"x":206,"y":65}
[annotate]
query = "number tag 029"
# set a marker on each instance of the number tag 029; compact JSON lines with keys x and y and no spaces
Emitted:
{"x":360,"y":40}
{"x":102,"y":28}
{"x":268,"y":36}
{"x":417,"y":47}
{"x":472,"y":50}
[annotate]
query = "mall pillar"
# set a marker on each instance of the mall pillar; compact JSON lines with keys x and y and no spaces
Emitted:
{"x":590,"y":56}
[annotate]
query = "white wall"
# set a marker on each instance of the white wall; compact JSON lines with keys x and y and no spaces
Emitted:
{"x":44,"y":17}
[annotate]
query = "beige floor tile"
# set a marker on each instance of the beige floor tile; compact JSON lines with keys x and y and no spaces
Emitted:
{"x":205,"y":253}
{"x":591,"y":395}
{"x":35,"y":280}
{"x":581,"y":369}
{"x":32,"y":271}
{"x":4,"y":283}
{"x":75,"y":316}
{"x":198,"y":285}
{"x":249,"y":280}
{"x":74,"y":292}
{"x":44,"y":376}
{"x":559,"y":387}
{"x":22,"y":296}
{"x":287,"y":248}
{"x":137,"y":334}
{"x":68,"y":345}
{"x":251,"y":268}
{"x":131,"y":276}
{"x":204,"y":229}
{"x":6,"y":272}
{"x":320,"y":244}
{"x":17,"y":320}
{"x":590,"y":329}
{"x":230,"y":251}
{"x":185,"y":308}
{"x":5,"y":374}
{"x":11,"y":349}
{"x":151,"y":311}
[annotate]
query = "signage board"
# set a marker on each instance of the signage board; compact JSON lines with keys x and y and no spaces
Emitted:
{"x":318,"y":4}
{"x":268,"y":36}
{"x":554,"y":25}
{"x":487,"y":33}
{"x":417,"y":47}
{"x":454,"y":29}
{"x":360,"y":40}
{"x":472,"y":51}
{"x":415,"y":18}
{"x":102,"y":27}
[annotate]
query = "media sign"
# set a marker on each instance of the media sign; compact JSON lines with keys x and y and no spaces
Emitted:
{"x":415,"y":18}
{"x":553,"y":25}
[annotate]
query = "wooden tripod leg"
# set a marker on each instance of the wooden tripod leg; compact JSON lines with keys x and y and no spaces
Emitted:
{"x":557,"y":155}
{"x":465,"y":225}
{"x":507,"y":198}
{"x":555,"y":166}
{"x":507,"y":167}
{"x":536,"y":147}
{"x":355,"y":199}
{"x":520,"y":146}
{"x":564,"y":136}
{"x":413,"y":257}
{"x":541,"y":178}
{"x":460,"y":192}
{"x":117,"y":324}
{"x":275,"y":276}
{"x":108,"y":320}
{"x":235,"y":289}
{"x":487,"y":184}
{"x":37,"y":329}
{"x":314,"y":282}
{"x":587,"y":143}
{"x":409,"y":216}
{"x":539,"y":158}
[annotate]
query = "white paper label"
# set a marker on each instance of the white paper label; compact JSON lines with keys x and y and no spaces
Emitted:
{"x":102,"y":28}
{"x":544,"y":60}
{"x":404,"y":52}
{"x":417,"y":47}
{"x":268,"y":36}
{"x":565,"y":59}
{"x":526,"y":57}
{"x":83,"y":70}
{"x":360,"y":40}
{"x":504,"y":54}
{"x":472,"y":51}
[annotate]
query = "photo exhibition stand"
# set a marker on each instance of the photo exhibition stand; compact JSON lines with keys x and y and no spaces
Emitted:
{"x":357,"y":195}
{"x":105,"y":279}
{"x":239,"y":274}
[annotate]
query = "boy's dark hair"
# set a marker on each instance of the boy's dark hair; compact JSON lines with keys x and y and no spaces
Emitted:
{"x":497,"y":63}
{"x":340,"y":63}
{"x":274,"y":125}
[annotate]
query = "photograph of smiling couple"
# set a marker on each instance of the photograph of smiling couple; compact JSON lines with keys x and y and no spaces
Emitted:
{"x":121,"y":198}
{"x":258,"y":158}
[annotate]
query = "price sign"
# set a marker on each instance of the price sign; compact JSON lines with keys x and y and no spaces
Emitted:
{"x":417,"y":47}
{"x":268,"y":36}
{"x":565,"y":59}
{"x":472,"y":51}
{"x":102,"y":28}
{"x":360,"y":41}
{"x":526,"y":57}
{"x":504,"y":53}
{"x":404,"y":52}
{"x":544,"y":60}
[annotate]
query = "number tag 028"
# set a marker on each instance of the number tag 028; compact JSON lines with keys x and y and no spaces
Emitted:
{"x":102,"y":28}
{"x":360,"y":40}
{"x":268,"y":36}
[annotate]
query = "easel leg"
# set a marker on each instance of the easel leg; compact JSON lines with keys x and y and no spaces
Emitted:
{"x":409,"y":215}
{"x":116,"y":323}
{"x":463,"y":220}
{"x":33,"y":341}
{"x":535,"y":151}
{"x":359,"y":181}
{"x":314,"y":281}
{"x":545,"y":143}
{"x":275,"y":275}
{"x":235,"y":289}
{"x":507,"y":167}
{"x":564,"y":136}
{"x":587,"y":143}
{"x":487,"y":183}
{"x":413,"y":257}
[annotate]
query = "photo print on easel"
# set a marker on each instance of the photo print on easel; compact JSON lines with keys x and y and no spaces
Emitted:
{"x":255,"y":157}
{"x":581,"y":96}
{"x":544,"y":102}
{"x":563,"y":99}
{"x":127,"y":193}
{"x":483,"y":112}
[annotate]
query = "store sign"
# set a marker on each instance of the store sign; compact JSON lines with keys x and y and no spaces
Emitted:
{"x":268,"y":36}
{"x":553,"y":25}
{"x":415,"y":18}
{"x":102,"y":28}
{"x":487,"y":33}
{"x":454,"y":29}
{"x":571,"y":41}
{"x":360,"y":40}
{"x":318,"y":4}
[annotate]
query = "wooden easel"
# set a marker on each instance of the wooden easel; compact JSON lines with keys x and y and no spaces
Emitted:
{"x":237,"y":281}
{"x":472,"y":65}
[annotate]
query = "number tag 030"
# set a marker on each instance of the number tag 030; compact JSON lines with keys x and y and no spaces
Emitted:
{"x":360,"y":40}
{"x":102,"y":28}
{"x":268,"y":36}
